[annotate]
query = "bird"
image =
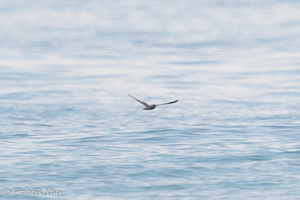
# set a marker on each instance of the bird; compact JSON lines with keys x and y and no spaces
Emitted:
{"x":152,"y":106}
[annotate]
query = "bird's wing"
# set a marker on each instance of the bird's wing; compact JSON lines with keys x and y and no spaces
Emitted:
{"x":167,"y":103}
{"x":142,"y":102}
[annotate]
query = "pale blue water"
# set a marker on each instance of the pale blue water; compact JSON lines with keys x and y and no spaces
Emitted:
{"x":68,"y":126}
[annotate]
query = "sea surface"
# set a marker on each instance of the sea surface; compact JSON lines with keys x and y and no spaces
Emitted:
{"x":69,"y":130}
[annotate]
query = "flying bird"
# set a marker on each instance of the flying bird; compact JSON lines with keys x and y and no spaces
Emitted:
{"x":152,"y":106}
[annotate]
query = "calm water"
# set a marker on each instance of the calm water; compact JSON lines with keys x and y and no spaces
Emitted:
{"x":70,"y":131}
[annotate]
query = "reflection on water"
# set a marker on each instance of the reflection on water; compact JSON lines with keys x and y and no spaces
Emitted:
{"x":67,"y":122}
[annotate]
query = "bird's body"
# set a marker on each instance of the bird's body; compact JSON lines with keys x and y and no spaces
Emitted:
{"x":152,"y":106}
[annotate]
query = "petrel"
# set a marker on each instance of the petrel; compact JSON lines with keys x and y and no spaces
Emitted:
{"x":153,"y":106}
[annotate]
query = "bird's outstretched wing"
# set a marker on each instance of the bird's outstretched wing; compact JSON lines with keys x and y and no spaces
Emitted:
{"x":142,"y":102}
{"x":167,"y":103}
